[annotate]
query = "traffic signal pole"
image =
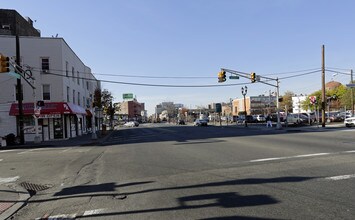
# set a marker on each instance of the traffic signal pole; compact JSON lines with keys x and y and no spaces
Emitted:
{"x":352,"y":93}
{"x":256,"y":78}
{"x":20,"y":95}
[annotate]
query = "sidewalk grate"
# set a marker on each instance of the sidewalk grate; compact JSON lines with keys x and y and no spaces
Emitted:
{"x":33,"y":188}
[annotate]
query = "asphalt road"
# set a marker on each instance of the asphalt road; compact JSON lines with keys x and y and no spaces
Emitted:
{"x":159,"y":171}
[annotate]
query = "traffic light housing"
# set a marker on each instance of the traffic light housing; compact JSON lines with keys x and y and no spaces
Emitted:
{"x":222,"y":76}
{"x":253,"y":77}
{"x":5,"y":66}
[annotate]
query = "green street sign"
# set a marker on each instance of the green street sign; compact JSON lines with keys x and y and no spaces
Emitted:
{"x":127,"y":95}
{"x":13,"y":74}
{"x":233,"y":77}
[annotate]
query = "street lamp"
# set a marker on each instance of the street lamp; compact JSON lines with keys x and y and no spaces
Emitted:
{"x":244,"y":92}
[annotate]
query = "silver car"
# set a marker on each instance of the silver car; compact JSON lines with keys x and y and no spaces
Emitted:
{"x":349,"y":122}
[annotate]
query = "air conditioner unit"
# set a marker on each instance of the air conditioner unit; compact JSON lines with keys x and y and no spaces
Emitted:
{"x":6,"y":27}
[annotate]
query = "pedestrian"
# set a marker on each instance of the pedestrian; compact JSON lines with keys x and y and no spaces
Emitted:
{"x":268,"y":121}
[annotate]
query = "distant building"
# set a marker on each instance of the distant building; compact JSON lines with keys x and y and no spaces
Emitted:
{"x":131,"y":110}
{"x":12,"y":23}
{"x":255,"y":105}
{"x":332,"y":85}
{"x":297,"y":103}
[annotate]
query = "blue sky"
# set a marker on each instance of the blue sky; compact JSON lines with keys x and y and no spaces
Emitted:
{"x":197,"y":38}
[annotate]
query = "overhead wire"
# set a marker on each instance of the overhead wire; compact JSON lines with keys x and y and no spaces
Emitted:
{"x":147,"y":84}
{"x":310,"y":71}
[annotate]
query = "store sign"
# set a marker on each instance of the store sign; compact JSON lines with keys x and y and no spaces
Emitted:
{"x":127,"y":95}
{"x":50,"y":116}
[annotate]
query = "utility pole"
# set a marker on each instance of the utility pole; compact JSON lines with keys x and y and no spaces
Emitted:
{"x":20,"y":95}
{"x":352,"y":92}
{"x":244,"y":92}
{"x":278,"y":125}
{"x":323,"y":87}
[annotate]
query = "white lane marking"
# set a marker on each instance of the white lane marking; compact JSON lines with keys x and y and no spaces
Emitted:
{"x":1,"y":160}
{"x":40,"y":149}
{"x":350,"y":151}
{"x":27,"y":151}
{"x":284,"y":158}
{"x":65,"y":150}
{"x":5,"y":151}
{"x":312,"y":155}
{"x":93,"y":212}
{"x":9,"y":179}
{"x":267,"y":159}
{"x":343,"y":177}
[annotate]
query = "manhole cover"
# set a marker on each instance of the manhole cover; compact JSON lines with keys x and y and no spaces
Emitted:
{"x":33,"y":188}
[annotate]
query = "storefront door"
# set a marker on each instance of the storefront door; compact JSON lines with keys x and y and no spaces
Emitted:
{"x":58,"y":128}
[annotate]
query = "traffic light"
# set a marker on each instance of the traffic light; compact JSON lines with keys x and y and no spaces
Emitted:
{"x":253,"y":77}
{"x":5,"y":67}
{"x":222,"y":76}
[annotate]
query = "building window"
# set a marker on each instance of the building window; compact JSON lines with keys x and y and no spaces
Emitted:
{"x":45,"y":65}
{"x":78,"y":79}
{"x":66,"y":68}
{"x":83,"y":101}
{"x":88,"y":102}
{"x":46,"y":89}
{"x":87,"y":85}
{"x":78,"y":98}
{"x":73,"y":96}
{"x":72,"y":73}
{"x":68,"y":91}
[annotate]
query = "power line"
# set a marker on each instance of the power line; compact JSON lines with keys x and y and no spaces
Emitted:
{"x":335,"y":68}
{"x":296,"y":71}
{"x":138,"y":76}
{"x":147,"y":84}
{"x":297,"y":75}
{"x":348,"y":74}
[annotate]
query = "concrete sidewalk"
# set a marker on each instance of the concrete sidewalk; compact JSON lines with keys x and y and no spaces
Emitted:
{"x":84,"y":140}
{"x":13,"y":196}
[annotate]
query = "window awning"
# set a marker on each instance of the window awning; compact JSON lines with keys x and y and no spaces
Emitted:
{"x":48,"y":108}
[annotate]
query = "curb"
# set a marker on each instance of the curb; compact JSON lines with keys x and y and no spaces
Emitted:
{"x":21,"y":201}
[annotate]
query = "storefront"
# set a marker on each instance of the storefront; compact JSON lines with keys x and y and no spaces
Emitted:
{"x":57,"y":120}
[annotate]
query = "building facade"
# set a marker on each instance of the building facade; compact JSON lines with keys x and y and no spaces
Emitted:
{"x":131,"y":110}
{"x":255,"y":105}
{"x":62,"y":81}
{"x":12,"y":23}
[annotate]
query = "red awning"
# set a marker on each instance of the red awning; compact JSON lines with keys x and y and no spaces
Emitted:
{"x":48,"y":108}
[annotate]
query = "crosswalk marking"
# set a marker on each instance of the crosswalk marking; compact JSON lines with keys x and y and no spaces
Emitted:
{"x":71,"y":216}
{"x":93,"y":212}
{"x":9,"y":179}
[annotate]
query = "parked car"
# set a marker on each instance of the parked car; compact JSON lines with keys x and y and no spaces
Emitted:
{"x":200,"y":122}
{"x":311,"y":117}
{"x":335,"y":117}
{"x":260,"y":118}
{"x":251,"y":119}
{"x":349,"y":122}
{"x":296,"y":119}
{"x":131,"y":124}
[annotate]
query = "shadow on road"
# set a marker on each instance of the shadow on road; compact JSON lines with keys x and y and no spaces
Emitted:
{"x":223,"y":200}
